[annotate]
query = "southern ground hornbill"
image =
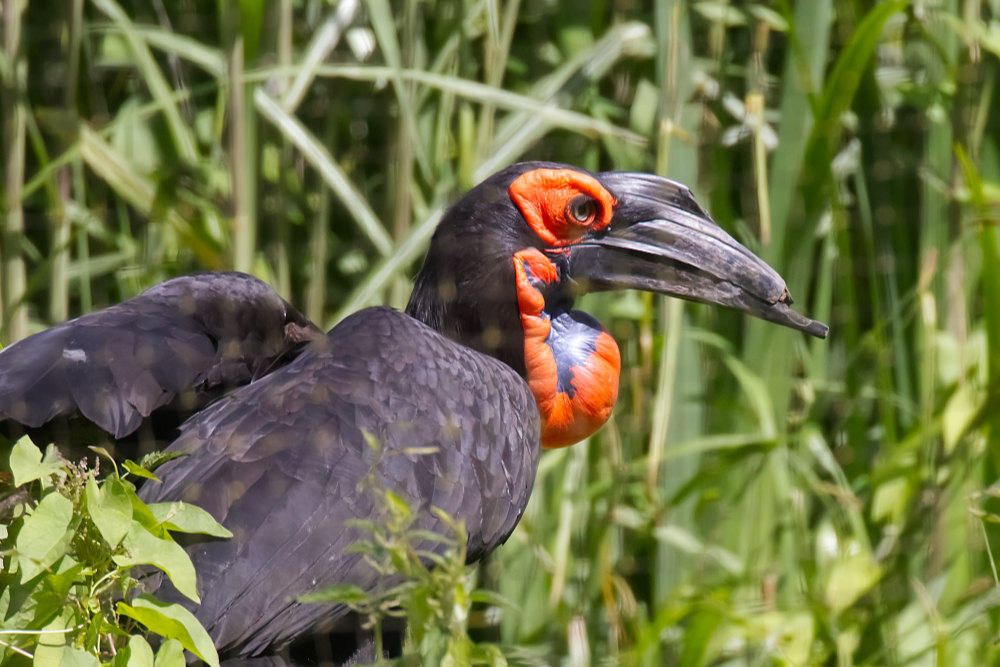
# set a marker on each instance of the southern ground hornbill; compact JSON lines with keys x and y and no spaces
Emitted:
{"x":447,"y":404}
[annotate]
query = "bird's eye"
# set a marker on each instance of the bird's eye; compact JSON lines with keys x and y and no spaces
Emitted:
{"x":581,"y":209}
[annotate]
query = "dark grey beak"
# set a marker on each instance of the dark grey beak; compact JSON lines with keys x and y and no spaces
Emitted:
{"x":660,"y":240}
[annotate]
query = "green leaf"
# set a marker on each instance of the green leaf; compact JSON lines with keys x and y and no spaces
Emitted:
{"x":341,"y":594}
{"x":700,"y":629}
{"x":850,"y":578}
{"x":69,"y":656}
{"x":142,"y":547}
{"x":397,"y":505}
{"x":97,"y":449}
{"x":45,"y":536}
{"x":49,"y":600}
{"x":150,"y":462}
{"x":773,"y":19}
{"x":960,"y":413}
{"x":138,"y":470}
{"x":138,"y":653}
{"x":186,"y":518}
{"x":891,"y":499}
{"x":173,"y":622}
{"x":110,"y":507}
{"x":721,"y":12}
{"x":26,"y":463}
{"x":251,"y":21}
{"x":54,"y":645}
{"x":171,"y":654}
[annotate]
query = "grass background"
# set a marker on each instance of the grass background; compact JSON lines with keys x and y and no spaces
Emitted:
{"x":758,"y":498}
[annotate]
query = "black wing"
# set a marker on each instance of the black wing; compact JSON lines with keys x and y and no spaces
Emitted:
{"x":286,"y":462}
{"x":180,"y":338}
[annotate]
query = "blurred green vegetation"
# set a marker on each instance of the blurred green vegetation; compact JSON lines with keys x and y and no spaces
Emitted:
{"x":758,"y":498}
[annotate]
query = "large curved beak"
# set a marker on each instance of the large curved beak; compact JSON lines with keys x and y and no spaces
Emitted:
{"x":661,"y":240}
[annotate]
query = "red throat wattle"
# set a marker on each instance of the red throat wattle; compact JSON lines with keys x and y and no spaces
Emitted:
{"x":572,"y":362}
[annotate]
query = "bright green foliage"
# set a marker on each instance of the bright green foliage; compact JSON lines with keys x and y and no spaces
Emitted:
{"x":759,"y":498}
{"x":427,"y":583}
{"x":68,"y":544}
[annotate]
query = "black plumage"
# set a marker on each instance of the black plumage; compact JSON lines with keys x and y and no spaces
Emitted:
{"x":465,"y":287}
{"x":171,"y":350}
{"x":285,"y":465}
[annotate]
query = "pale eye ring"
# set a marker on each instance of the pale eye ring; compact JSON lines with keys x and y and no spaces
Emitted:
{"x":581,"y":209}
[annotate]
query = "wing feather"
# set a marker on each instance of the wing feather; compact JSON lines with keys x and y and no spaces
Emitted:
{"x":116,"y":366}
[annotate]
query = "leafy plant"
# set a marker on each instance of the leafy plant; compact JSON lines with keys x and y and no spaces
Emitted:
{"x":70,"y":589}
{"x":430,"y":587}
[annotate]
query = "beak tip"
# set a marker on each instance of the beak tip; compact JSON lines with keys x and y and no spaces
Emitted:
{"x":780,"y":313}
{"x":817,"y":329}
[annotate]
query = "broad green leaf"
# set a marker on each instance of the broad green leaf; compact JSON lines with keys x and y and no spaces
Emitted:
{"x":959,"y":413}
{"x":171,"y":654}
{"x":45,"y":535}
{"x":138,"y":653}
{"x":142,"y":547}
{"x":173,"y":622}
{"x":841,"y":85}
{"x":850,"y":578}
{"x":110,"y":508}
{"x":141,"y":514}
{"x":891,"y":499}
{"x":19,"y":603}
{"x":26,"y":463}
{"x":186,"y":518}
{"x":138,"y":470}
{"x":48,"y":655}
{"x":55,"y":647}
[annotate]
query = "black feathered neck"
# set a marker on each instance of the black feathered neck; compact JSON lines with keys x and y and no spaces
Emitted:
{"x":466,"y":288}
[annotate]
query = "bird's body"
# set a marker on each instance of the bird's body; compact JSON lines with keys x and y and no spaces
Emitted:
{"x":364,"y":411}
{"x":447,"y":404}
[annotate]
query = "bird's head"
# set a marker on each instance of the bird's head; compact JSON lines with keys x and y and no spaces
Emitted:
{"x":508,"y":259}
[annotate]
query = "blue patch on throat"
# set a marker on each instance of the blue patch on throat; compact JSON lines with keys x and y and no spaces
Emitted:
{"x":572,"y":339}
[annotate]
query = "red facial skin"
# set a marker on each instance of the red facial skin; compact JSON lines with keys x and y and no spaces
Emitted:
{"x":565,"y":419}
{"x":561,"y":205}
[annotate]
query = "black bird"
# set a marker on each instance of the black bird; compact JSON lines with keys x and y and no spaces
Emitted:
{"x":169,"y":351}
{"x":448,"y":403}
